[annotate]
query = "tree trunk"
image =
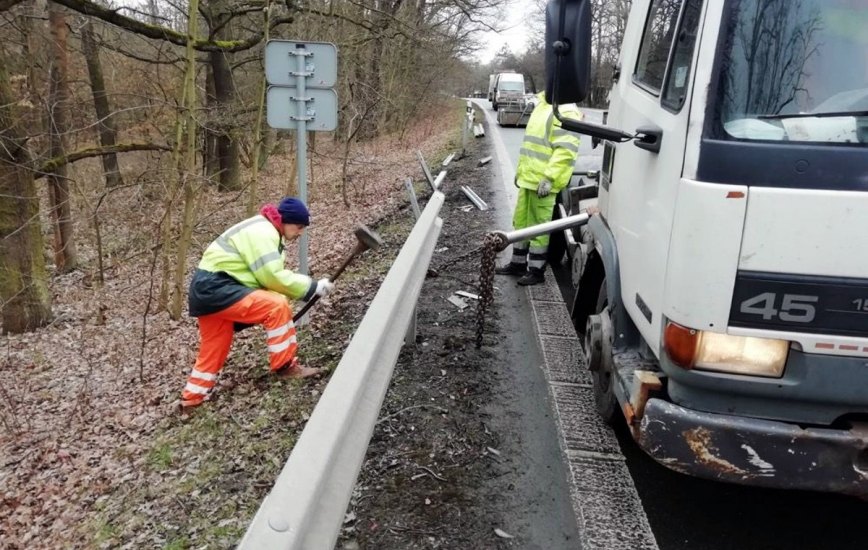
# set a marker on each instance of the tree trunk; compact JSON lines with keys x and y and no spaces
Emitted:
{"x":228,"y":152}
{"x":58,"y":103}
{"x":106,"y":124}
{"x":256,"y":142}
{"x":188,"y":169}
{"x":25,"y":302}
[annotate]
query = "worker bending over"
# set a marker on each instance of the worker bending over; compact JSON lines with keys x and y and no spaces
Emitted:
{"x":242,"y":280}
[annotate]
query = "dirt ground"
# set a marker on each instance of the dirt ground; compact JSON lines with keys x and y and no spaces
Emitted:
{"x":92,"y":452}
{"x":440,"y":469}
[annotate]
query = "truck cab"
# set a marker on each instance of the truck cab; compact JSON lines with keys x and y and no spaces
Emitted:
{"x":722,"y":288}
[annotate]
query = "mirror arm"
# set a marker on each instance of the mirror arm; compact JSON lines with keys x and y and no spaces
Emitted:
{"x":591,"y":129}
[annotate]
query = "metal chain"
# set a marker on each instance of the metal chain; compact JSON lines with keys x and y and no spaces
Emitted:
{"x":486,"y":283}
{"x":446,"y":265}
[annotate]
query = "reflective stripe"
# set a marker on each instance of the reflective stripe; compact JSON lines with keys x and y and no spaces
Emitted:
{"x":538,"y":250}
{"x":276,"y":348}
{"x":226,"y":245}
{"x":533,"y":154}
{"x":264,"y":260}
{"x":246,"y":223}
{"x":539,"y":264}
{"x":567,"y":145}
{"x":279,"y":331}
{"x":223,"y":240}
{"x":196,"y":388}
{"x":203,"y":375}
{"x":519,"y":258}
{"x":560,"y":132}
{"x":537,"y":141}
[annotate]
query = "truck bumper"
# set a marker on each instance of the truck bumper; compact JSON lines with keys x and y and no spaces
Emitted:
{"x":755,"y":452}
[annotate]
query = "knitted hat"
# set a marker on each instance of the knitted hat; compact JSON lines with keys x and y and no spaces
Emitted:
{"x":293,"y":210}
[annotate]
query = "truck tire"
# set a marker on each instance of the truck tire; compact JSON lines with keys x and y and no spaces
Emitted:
{"x":494,"y":105}
{"x":603,"y":378}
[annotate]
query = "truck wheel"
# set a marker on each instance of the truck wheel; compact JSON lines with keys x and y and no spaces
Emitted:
{"x":598,"y":347}
{"x":494,"y":105}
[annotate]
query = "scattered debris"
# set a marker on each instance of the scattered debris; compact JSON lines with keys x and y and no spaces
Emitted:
{"x":426,"y":171}
{"x":443,"y":249}
{"x":483,"y":161}
{"x":503,"y":534}
{"x":438,"y":181}
{"x":467,"y":208}
{"x":458,"y":302}
{"x":448,"y":159}
{"x":466,"y":294}
{"x":474,"y":198}
{"x":493,"y":451}
{"x":478,"y":131}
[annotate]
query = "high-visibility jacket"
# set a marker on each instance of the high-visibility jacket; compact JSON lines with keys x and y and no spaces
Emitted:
{"x":247,"y":256}
{"x":548,"y":152}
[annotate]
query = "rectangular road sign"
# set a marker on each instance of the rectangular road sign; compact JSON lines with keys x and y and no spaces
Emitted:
{"x":281,"y":63}
{"x":282,"y":109}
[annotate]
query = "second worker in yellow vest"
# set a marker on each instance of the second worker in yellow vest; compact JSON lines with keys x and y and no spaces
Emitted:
{"x":545,"y":165}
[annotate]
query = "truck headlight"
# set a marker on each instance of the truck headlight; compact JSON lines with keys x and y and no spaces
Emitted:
{"x":696,"y":349}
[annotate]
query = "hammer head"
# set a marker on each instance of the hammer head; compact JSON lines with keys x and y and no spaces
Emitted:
{"x":367,"y":238}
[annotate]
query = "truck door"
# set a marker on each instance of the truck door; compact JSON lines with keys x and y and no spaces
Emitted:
{"x":651,"y":96}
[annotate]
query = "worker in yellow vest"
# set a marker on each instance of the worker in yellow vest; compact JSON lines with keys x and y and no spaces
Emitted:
{"x":545,"y":165}
{"x":242,"y":280}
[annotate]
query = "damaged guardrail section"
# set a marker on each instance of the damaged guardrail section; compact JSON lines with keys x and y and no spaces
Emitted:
{"x":305,"y":508}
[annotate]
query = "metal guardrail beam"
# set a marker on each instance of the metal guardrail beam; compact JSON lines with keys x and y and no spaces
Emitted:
{"x":305,"y":508}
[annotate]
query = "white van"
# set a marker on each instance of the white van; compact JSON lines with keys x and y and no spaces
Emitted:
{"x":507,"y":86}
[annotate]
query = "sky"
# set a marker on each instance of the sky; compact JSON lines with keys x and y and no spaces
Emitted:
{"x":515,"y":31}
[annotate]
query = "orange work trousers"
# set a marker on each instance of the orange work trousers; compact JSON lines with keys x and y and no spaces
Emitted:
{"x":215,"y":334}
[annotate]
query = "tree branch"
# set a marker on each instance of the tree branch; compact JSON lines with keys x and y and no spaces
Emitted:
{"x":53,"y":164}
{"x":162,"y":33}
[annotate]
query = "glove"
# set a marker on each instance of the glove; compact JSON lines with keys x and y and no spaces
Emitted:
{"x":515,"y":181}
{"x":324,"y":287}
{"x":545,"y":187}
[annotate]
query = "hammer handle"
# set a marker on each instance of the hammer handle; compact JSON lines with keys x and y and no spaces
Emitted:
{"x":356,"y":251}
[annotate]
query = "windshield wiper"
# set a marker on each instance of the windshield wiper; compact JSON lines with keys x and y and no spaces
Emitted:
{"x":813,"y":115}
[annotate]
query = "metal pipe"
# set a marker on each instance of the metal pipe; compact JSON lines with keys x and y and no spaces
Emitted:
{"x":507,"y":238}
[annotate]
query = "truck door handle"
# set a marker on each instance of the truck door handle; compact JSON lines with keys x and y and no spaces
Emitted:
{"x":649,"y":138}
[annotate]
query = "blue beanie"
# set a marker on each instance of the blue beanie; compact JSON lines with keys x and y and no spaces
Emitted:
{"x":293,"y":210}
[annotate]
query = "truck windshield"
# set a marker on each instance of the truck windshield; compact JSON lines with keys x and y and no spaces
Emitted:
{"x":795,"y":70}
{"x":511,"y":87}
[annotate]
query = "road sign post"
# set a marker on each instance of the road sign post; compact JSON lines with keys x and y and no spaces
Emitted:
{"x":301,"y":77}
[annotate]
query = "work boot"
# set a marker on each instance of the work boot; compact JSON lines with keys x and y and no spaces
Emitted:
{"x":533,"y":277}
{"x":294,"y":370}
{"x":512,"y":269}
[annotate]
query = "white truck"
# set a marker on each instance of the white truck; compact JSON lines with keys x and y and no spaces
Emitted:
{"x":722,"y":286}
{"x":504,"y":87}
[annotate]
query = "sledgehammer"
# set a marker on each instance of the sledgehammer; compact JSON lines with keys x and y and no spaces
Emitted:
{"x":366,"y":239}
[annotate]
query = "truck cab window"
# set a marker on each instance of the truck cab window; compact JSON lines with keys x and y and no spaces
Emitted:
{"x":678,"y":78}
{"x":656,"y":43}
{"x":795,"y":71}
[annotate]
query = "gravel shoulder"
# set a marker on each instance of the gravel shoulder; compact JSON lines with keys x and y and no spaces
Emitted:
{"x":465,"y":453}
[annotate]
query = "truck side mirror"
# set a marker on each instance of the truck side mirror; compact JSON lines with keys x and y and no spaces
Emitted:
{"x":568,"y":50}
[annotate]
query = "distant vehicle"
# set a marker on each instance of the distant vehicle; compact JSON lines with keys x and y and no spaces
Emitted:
{"x":503,"y":87}
{"x":478,"y":93}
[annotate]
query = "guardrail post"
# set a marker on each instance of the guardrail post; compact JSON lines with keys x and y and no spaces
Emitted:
{"x":410,"y":337}
{"x":413,"y":202}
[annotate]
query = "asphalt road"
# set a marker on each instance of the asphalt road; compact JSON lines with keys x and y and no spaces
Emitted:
{"x":693,"y":514}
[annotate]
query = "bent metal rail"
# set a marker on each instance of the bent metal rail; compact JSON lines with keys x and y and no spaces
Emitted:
{"x":305,"y":508}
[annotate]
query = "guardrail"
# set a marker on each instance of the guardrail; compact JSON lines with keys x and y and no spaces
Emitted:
{"x":305,"y":508}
